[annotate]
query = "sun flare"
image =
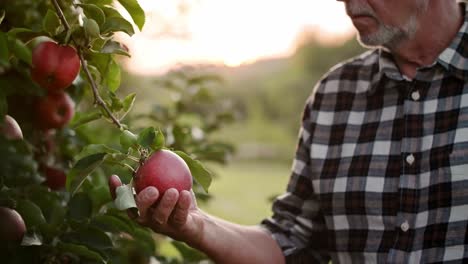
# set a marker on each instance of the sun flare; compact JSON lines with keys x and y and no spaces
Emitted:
{"x":227,"y":32}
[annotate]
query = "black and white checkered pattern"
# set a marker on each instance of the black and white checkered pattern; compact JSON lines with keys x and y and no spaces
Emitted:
{"x":381,"y":169}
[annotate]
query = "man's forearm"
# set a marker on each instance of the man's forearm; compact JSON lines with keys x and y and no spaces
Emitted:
{"x":226,"y":242}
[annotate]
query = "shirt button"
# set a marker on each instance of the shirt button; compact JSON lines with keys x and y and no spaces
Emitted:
{"x":415,"y":95}
{"x":410,"y":159}
{"x":404,"y":226}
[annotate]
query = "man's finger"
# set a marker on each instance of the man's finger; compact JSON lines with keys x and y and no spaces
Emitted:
{"x":180,"y":213}
{"x":145,"y":199}
{"x":165,"y":206}
{"x":114,"y":182}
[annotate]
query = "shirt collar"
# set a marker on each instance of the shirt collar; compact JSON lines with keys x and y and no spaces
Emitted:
{"x":387,"y":66}
{"x":386,"y":69}
{"x":455,"y":57}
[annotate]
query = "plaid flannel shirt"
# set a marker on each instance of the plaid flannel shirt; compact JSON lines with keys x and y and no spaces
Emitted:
{"x":381,"y":168}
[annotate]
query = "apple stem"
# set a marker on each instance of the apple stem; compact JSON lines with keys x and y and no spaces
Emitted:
{"x":129,"y":167}
{"x":143,"y":155}
{"x":133,"y":158}
{"x":97,"y":98}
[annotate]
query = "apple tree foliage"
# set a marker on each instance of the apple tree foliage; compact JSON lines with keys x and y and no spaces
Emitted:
{"x":79,"y":223}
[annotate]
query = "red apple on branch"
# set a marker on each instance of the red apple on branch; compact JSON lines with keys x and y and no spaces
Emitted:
{"x":164,"y":170}
{"x":54,"y":110}
{"x":54,"y":67}
{"x":12,"y":226}
{"x":55,"y":177}
{"x":10,"y":128}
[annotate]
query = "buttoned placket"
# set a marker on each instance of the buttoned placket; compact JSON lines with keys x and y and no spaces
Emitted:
{"x":407,"y":183}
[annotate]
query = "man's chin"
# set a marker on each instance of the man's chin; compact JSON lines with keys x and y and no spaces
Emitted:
{"x":387,"y":39}
{"x":369,"y":42}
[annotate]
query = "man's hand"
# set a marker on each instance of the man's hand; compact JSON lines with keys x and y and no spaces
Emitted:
{"x":174,"y":214}
{"x":177,"y":215}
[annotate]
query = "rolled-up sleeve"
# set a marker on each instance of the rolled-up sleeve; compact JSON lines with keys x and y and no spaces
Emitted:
{"x":297,"y":224}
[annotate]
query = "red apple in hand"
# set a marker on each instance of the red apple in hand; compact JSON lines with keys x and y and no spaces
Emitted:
{"x":12,"y":227}
{"x":54,"y":67}
{"x":10,"y":128}
{"x":164,"y":170}
{"x":54,"y":110}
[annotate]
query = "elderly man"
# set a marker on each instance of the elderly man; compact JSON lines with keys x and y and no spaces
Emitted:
{"x":381,"y":169}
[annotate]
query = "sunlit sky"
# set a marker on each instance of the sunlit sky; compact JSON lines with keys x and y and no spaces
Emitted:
{"x":228,"y":32}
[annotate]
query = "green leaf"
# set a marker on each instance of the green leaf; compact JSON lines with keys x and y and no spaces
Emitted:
{"x":114,"y":47}
{"x":145,"y":239}
{"x":123,"y":216}
{"x":56,"y":214}
{"x":115,"y":103}
{"x":91,"y":28}
{"x":31,"y":213}
{"x":4,"y":52}
{"x":124,"y":197}
{"x":109,"y":70}
{"x":135,"y":11}
{"x":90,"y":236}
{"x":128,"y":140}
{"x":94,"y":12}
{"x":159,"y":142}
{"x":82,"y":118}
{"x":97,"y":45}
{"x":15,"y":31}
{"x":114,"y":24}
{"x":95,"y":72}
{"x":25,"y":34}
{"x":19,"y":49}
{"x":111,"y":224}
{"x":116,"y":158}
{"x":99,"y":196}
{"x":110,"y":11}
{"x":82,"y":169}
{"x":112,"y":78}
{"x":128,"y":103}
{"x":80,"y":250}
{"x":199,"y":172}
{"x":146,"y":137}
{"x":95,"y":149}
{"x":80,"y":207}
{"x":106,"y":2}
{"x":51,"y":23}
{"x":50,"y":204}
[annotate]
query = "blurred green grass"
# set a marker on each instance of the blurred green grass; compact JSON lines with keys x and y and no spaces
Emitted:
{"x":242,"y":189}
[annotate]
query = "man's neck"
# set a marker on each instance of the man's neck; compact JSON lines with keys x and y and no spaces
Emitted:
{"x":438,"y":27}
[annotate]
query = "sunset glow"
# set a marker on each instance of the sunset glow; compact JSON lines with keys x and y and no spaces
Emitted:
{"x":228,"y":32}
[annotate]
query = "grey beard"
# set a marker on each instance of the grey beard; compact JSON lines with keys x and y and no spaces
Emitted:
{"x":388,"y":36}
